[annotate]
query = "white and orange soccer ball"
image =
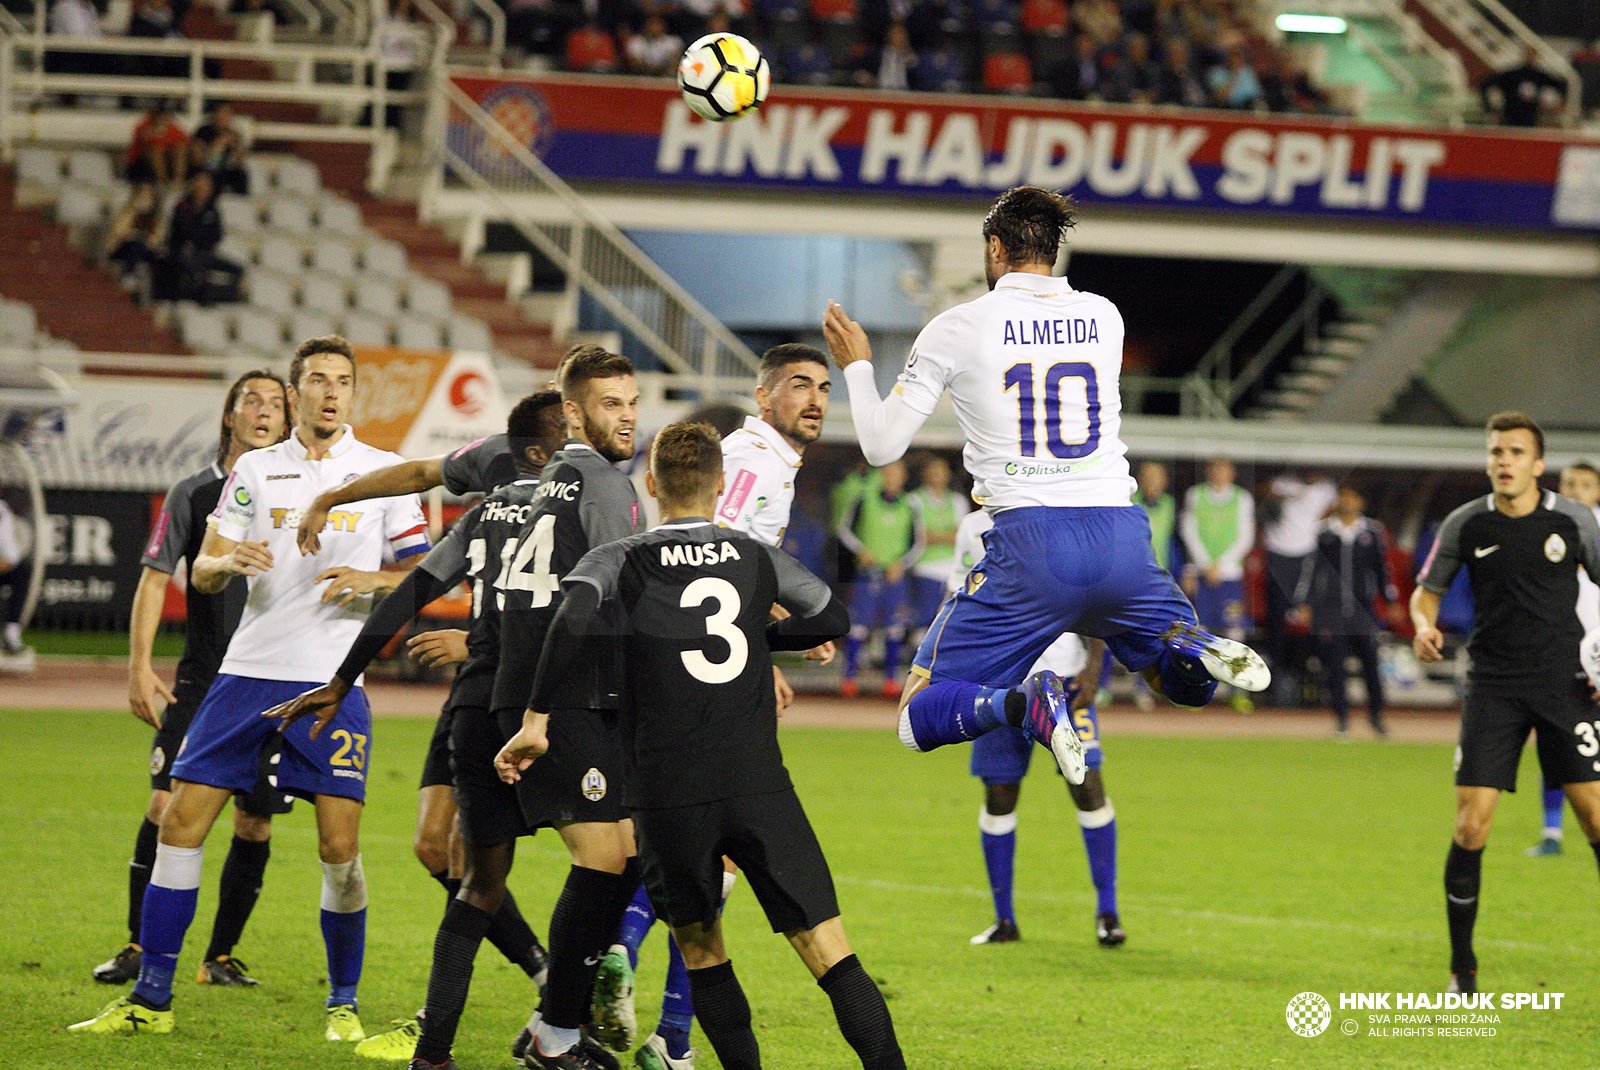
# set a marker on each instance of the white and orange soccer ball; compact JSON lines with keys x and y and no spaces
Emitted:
{"x":723,"y":76}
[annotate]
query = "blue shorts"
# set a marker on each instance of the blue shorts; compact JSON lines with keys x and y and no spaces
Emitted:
{"x":1001,"y":756}
{"x":1046,"y":571}
{"x":225,"y":739}
{"x":1220,"y":606}
{"x":877,"y":603}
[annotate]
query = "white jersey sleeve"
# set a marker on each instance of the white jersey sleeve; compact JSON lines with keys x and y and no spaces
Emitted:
{"x":405,"y":526}
{"x":235,"y":514}
{"x":758,"y":488}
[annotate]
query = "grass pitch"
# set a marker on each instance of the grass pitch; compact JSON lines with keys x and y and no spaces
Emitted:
{"x":1250,"y":871}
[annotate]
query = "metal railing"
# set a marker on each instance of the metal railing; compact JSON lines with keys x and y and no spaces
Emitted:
{"x":597,"y":258}
{"x":1210,"y":390}
{"x":1499,"y":39}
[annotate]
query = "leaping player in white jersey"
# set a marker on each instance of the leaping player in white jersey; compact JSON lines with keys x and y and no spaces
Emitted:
{"x":1032,"y":367}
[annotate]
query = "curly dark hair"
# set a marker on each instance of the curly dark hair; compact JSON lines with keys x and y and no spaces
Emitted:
{"x":1030,"y":223}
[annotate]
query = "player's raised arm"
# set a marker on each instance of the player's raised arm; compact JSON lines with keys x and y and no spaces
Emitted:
{"x":408,"y":477}
{"x":221,"y":559}
{"x":884,"y":426}
{"x":815,"y":615}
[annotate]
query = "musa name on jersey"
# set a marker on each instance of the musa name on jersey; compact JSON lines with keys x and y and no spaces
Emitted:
{"x":287,"y":631}
{"x":759,"y":467}
{"x":692,"y":601}
{"x":482,"y":548}
{"x":582,"y":501}
{"x":1524,"y":574}
{"x":179,"y":531}
{"x":1032,"y":368}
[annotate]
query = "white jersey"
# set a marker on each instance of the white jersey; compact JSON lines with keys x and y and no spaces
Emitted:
{"x":1067,"y":655}
{"x":1589,"y":595}
{"x":1032,"y":367}
{"x":758,"y":470}
{"x":287,"y":632}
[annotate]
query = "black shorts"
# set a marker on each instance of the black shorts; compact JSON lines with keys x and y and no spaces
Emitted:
{"x":263,"y":800}
{"x":580,"y":777}
{"x":487,"y":805}
{"x":1495,"y":726}
{"x":768,"y":836}
{"x":436,"y":766}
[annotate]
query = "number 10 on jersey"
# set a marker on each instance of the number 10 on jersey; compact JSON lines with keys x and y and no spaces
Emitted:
{"x":1021,"y":377}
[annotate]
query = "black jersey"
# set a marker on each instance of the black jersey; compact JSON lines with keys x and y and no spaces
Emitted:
{"x":178,"y":535}
{"x":479,"y":466}
{"x":692,"y":604}
{"x":1524,"y":574}
{"x":482,"y":547}
{"x":583,"y":501}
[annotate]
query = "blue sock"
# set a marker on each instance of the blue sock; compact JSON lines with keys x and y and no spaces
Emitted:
{"x":345,"y":936}
{"x":950,"y":711}
{"x":169,"y":901}
{"x":1184,"y":680}
{"x":636,"y":923}
{"x":999,"y":857}
{"x":1554,"y":799}
{"x":852,"y":654}
{"x":677,"y":1012}
{"x":1100,"y":843}
{"x":891,"y":656}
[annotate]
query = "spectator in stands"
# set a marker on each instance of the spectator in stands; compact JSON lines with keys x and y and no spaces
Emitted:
{"x":540,"y":27}
{"x":1233,"y":82}
{"x":1130,"y":78}
{"x":192,"y":269}
{"x":895,"y":64}
{"x":133,"y":243}
{"x":218,"y":146}
{"x":1180,"y":82}
{"x":885,"y":533}
{"x":1522,"y":95}
{"x":73,"y":18}
{"x":1289,"y":88}
{"x":589,"y":48}
{"x":1296,"y":505}
{"x":159,"y":147}
{"x":157,"y":20}
{"x":404,"y":42}
{"x":1101,"y":19}
{"x":1219,"y":528}
{"x":655,"y":51}
{"x":1078,"y":78}
{"x":941,"y":510}
{"x":1348,"y":577}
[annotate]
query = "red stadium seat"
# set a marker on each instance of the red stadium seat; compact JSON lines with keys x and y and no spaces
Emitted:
{"x":1007,"y":72}
{"x":833,"y":10}
{"x":590,"y":48}
{"x":1044,"y":17}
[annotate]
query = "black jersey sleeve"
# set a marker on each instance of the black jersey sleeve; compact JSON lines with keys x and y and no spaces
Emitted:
{"x":171,"y":536}
{"x":481,"y":466}
{"x":816,"y":616}
{"x":609,"y":506}
{"x":389,"y":618}
{"x":1444,"y":560}
{"x":450,"y":561}
{"x":592,"y":582}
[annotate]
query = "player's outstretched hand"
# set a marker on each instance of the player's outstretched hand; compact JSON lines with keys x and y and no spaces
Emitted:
{"x":522,"y":749}
{"x":433,"y":649}
{"x":781,"y":690}
{"x":312,"y":521}
{"x":250,"y":558}
{"x":847,"y":342}
{"x":1428,"y":644}
{"x":348,"y":584}
{"x":824,"y":654}
{"x":320,"y":702}
{"x":143,"y":687}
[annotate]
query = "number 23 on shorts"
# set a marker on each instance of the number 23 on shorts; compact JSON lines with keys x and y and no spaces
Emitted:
{"x":352,"y":751}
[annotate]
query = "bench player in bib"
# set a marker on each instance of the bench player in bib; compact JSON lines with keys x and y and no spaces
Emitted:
{"x":301,"y":612}
{"x":1033,"y":367}
{"x":691,"y":605}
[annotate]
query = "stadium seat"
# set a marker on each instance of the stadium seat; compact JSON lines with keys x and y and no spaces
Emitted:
{"x":377,"y":295}
{"x":942,"y":70}
{"x":18,"y":323}
{"x":39,"y":166}
{"x":309,"y":323}
{"x":335,"y":215}
{"x":281,"y":252}
{"x":298,"y":176}
{"x":426,"y":297}
{"x":833,"y":10}
{"x":1046,"y":17}
{"x":270,"y":290}
{"x":1007,"y":72}
{"x":202,"y":329}
{"x":363,"y":329}
{"x":258,"y":327}
{"x":335,"y":257}
{"x":233,"y":247}
{"x":417,"y":332}
{"x":807,"y":64}
{"x":589,"y":48}
{"x":80,"y":205}
{"x":325,"y":293}
{"x":261,"y":171}
{"x":384,"y":257}
{"x":290,"y":214}
{"x":470,"y":334}
{"x":90,"y":167}
{"x":252,"y":355}
{"x":239,"y":214}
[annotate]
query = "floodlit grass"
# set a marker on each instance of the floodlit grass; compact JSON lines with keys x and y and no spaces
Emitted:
{"x":1251,"y":871}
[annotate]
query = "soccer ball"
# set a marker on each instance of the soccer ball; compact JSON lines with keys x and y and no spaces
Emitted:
{"x":723,"y":76}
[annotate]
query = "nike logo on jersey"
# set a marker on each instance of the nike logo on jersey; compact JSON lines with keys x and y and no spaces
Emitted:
{"x":1485,"y":551}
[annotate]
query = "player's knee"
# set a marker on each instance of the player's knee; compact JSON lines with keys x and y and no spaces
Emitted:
{"x":432,"y":851}
{"x":255,"y":828}
{"x":1001,"y":799}
{"x":158,"y":806}
{"x":1472,"y":829}
{"x":907,"y":736}
{"x":336,"y":847}
{"x":344,"y":886}
{"x":1090,"y":795}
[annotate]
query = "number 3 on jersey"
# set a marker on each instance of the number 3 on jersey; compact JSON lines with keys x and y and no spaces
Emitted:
{"x":1021,"y":377}
{"x":719,"y":624}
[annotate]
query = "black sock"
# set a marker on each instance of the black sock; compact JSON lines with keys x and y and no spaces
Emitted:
{"x":511,"y":934}
{"x":1016,"y":708}
{"x":451,"y":885}
{"x":724,"y":1016}
{"x":579,"y":930}
{"x":1462,"y":870}
{"x":454,"y":948}
{"x":144,"y":859}
{"x":863,"y":1015}
{"x":237,"y":893}
{"x":626,"y":887}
